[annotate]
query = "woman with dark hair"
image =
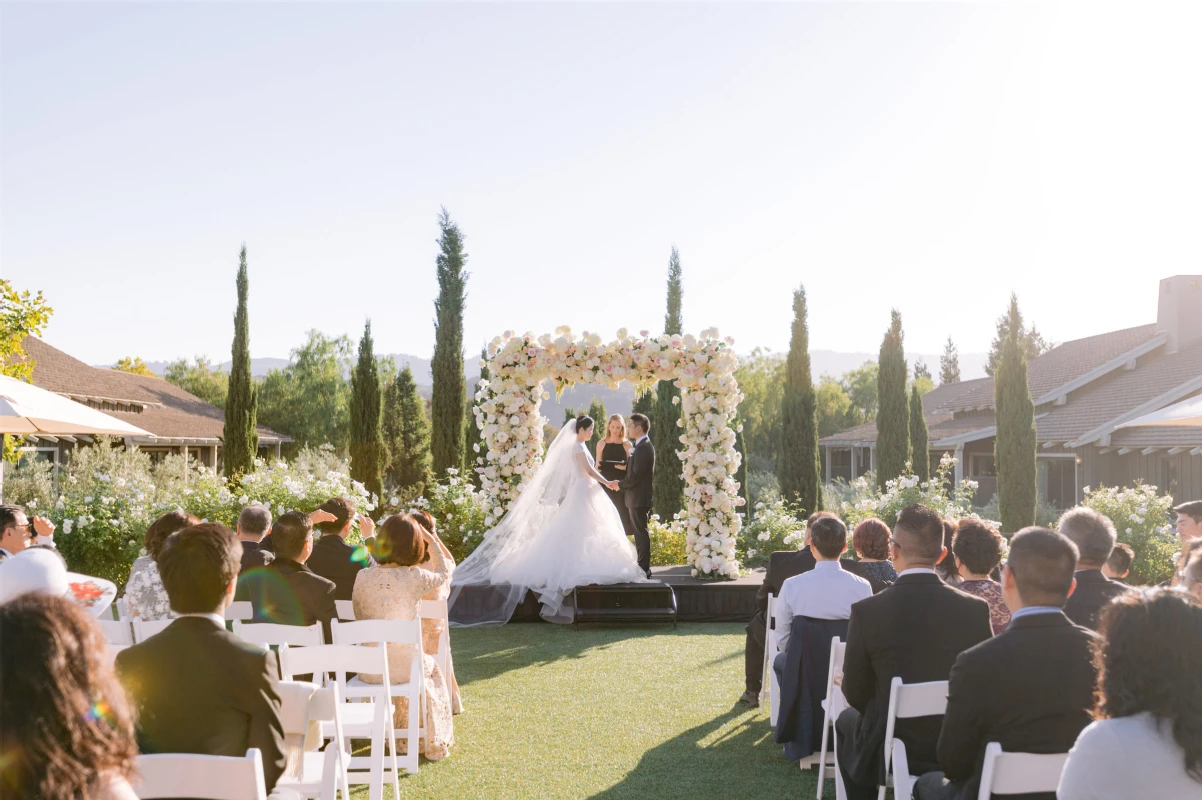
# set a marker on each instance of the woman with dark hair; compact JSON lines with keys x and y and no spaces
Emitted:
{"x":145,"y":595}
{"x":976,"y":552}
{"x":433,"y":629}
{"x":66,"y":730}
{"x":409,"y":564}
{"x":871,"y":543}
{"x":1147,"y":737}
{"x":945,"y":569}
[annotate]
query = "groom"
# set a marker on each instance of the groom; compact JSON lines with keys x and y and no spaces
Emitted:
{"x":637,"y":487}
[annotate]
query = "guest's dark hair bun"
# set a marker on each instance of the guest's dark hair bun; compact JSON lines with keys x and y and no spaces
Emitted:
{"x":584,"y":422}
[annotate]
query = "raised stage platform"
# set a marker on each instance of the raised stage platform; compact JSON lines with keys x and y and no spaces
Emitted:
{"x":696,"y":600}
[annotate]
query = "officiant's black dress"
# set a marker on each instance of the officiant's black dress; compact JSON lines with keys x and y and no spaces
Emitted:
{"x":612,"y":455}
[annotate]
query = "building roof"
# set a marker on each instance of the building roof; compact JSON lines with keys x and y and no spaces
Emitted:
{"x":151,"y":403}
{"x":1085,"y":387}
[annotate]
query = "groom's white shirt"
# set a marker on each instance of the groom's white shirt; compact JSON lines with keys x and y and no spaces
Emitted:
{"x":639,"y":440}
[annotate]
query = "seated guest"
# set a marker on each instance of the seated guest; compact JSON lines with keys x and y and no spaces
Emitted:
{"x":286,"y":591}
{"x":145,"y":595}
{"x":1189,"y":521}
{"x":1146,"y":741}
{"x":1118,"y":566}
{"x":433,"y":629}
{"x":253,"y":524}
{"x":334,"y":559}
{"x":1094,"y":536}
{"x":871,"y":542}
{"x":976,"y":552}
{"x":1031,"y":689}
{"x":946,"y":569}
{"x":914,"y":631}
{"x":825,"y":592}
{"x":66,"y":730}
{"x":392,"y":590}
{"x":197,"y":687}
{"x":782,"y":565}
{"x":18,"y":532}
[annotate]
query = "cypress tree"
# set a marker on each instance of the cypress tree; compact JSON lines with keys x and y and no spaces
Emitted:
{"x":240,"y":439}
{"x":596,"y":410}
{"x":407,"y":431}
{"x":797,"y":459}
{"x":367,"y":451}
{"x":645,"y":404}
{"x":668,"y":483}
{"x":949,"y":363}
{"x":474,"y":448}
{"x":569,"y":414}
{"x":918,"y":436}
{"x":893,"y":413}
{"x":1014,"y":445}
{"x":450,"y":387}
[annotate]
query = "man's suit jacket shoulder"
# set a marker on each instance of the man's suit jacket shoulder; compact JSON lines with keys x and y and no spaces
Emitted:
{"x":1094,"y":591}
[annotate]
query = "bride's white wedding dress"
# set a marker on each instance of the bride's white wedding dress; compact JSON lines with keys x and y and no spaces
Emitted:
{"x":562,"y":532}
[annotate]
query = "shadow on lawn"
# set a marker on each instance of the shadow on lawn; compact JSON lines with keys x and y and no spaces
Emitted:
{"x":743,"y":762}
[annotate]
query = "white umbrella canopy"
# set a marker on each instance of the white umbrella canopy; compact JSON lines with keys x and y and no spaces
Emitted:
{"x":1186,"y":414}
{"x":28,"y":409}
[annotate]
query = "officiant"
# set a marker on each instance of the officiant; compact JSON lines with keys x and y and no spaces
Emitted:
{"x":613,"y":458}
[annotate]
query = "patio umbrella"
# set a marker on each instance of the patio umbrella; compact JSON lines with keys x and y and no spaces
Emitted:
{"x":1186,"y":414}
{"x":28,"y":409}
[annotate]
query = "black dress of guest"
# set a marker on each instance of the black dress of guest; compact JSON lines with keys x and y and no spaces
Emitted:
{"x":613,"y":454}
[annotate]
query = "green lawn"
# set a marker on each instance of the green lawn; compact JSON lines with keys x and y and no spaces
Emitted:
{"x":605,"y":712}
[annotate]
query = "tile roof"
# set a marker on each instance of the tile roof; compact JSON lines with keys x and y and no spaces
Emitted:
{"x":157,"y":406}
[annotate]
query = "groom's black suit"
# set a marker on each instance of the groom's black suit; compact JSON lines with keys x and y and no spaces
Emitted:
{"x":637,"y":490}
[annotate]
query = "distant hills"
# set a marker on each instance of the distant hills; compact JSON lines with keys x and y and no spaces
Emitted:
{"x":620,"y":400}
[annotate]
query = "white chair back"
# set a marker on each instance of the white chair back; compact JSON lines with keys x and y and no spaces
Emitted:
{"x":122,"y":607}
{"x":346,"y":610}
{"x":1019,"y":773}
{"x":832,"y":707}
{"x":370,"y":631}
{"x":309,"y":771}
{"x":439,"y":610}
{"x":240,"y":609}
{"x":203,"y":777}
{"x":907,"y":700}
{"x":117,"y":632}
{"x":771,"y":639}
{"x":111,"y":651}
{"x":144,"y":629}
{"x":266,"y":634}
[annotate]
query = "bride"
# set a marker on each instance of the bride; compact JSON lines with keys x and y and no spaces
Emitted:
{"x":563,"y":531}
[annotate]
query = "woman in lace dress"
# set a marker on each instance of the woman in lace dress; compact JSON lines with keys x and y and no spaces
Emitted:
{"x":434,"y":629}
{"x":145,"y":595}
{"x":392,"y":590}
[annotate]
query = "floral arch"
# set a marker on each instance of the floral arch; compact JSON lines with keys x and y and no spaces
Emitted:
{"x":702,"y":367}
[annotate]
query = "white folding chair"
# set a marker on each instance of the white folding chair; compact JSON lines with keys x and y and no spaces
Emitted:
{"x":346,"y":610}
{"x":122,"y":608}
{"x":391,"y":631}
{"x":117,"y":632}
{"x":313,"y":772}
{"x":266,"y":634}
{"x":832,"y":707}
{"x":907,"y":700}
{"x":438,"y":610}
{"x":371,"y":719}
{"x":144,"y":629}
{"x":1019,"y":773}
{"x":111,"y":651}
{"x":239,"y":609}
{"x":771,"y":689}
{"x":204,"y":777}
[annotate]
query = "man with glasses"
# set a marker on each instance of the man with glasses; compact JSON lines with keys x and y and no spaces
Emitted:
{"x":17,"y":532}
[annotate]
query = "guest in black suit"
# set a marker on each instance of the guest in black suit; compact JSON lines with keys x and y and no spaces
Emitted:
{"x":1094,"y":536}
{"x":636,"y":487}
{"x":198,"y":688}
{"x":253,"y":524}
{"x":334,"y":559}
{"x":914,"y":630}
{"x":782,"y":565}
{"x":1031,"y":689}
{"x":286,"y":591}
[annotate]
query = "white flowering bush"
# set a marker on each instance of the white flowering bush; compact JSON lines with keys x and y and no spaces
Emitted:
{"x":507,"y":414}
{"x":777,"y":525}
{"x":1143,"y":519}
{"x":109,"y":495}
{"x":906,"y":490}
{"x":459,"y":511}
{"x":669,"y":540}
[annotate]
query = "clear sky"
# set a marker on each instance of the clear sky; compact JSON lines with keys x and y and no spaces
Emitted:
{"x":931,"y":157}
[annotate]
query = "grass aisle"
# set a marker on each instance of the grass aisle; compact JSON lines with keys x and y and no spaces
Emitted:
{"x":607,"y":713}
